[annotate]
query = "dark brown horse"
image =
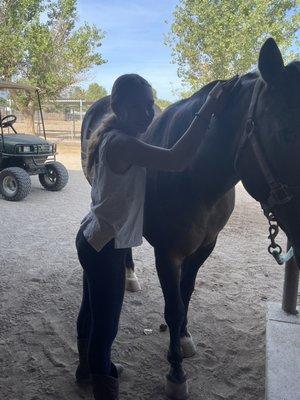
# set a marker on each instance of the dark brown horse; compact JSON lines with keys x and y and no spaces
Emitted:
{"x":185,"y":212}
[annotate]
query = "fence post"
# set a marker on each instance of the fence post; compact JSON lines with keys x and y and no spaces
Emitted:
{"x":290,"y":287}
{"x":81,"y":117}
{"x":73,"y":123}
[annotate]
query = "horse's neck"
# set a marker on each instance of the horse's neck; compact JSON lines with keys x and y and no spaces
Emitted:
{"x":213,"y":169}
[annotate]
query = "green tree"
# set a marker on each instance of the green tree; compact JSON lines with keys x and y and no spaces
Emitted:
{"x":161,"y":103}
{"x":217,"y":39}
{"x":95,"y":92}
{"x":74,"y":93}
{"x":40,"y":45}
{"x":14,"y":18}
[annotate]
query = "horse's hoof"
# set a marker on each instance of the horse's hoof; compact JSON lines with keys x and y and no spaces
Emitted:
{"x":132,"y":282}
{"x":188,"y":348}
{"x":177,"y":391}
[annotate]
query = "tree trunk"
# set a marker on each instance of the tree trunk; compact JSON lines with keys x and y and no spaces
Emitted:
{"x":29,"y":121}
{"x":26,"y":106}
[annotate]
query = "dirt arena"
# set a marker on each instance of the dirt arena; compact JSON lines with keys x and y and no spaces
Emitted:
{"x":40,"y":292}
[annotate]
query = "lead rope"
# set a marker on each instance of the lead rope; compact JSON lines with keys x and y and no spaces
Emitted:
{"x":274,"y":248}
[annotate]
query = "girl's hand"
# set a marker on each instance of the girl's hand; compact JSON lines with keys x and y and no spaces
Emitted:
{"x":220,"y":95}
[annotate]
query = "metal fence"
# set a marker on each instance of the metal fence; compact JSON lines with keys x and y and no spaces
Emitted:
{"x":65,"y":123}
{"x":62,"y":118}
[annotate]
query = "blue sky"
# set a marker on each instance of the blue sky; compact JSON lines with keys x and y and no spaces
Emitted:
{"x":134,"y":41}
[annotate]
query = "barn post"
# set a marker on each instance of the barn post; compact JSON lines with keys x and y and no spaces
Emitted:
{"x":290,"y":287}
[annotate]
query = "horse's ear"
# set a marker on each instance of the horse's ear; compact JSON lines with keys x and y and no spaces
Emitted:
{"x":270,"y":63}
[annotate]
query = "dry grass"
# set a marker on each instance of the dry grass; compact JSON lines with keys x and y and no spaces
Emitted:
{"x":69,"y":154}
{"x":55,"y":125}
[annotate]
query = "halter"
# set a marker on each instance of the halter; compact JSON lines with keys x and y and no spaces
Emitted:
{"x":279,"y":193}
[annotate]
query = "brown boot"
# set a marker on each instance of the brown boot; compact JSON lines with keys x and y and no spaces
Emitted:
{"x":83,"y":370}
{"x":105,"y":387}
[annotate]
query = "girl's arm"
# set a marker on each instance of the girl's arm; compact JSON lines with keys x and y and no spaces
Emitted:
{"x":124,"y":150}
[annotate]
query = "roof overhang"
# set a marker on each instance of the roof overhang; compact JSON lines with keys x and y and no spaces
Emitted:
{"x":20,"y":86}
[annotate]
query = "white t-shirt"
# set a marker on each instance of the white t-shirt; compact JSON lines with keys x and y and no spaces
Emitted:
{"x":117,"y":208}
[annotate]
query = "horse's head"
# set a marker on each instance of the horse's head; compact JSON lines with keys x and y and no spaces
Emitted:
{"x":273,"y":153}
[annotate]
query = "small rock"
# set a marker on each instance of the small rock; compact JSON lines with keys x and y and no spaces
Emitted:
{"x":163,"y":327}
{"x":264,"y":298}
{"x":36,"y":280}
{"x":148,"y":331}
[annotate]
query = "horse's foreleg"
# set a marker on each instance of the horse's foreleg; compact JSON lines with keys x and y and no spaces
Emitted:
{"x":187,"y":285}
{"x":169,"y":271}
{"x":132,"y":283}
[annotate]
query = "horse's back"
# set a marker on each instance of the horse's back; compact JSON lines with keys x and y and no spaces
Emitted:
{"x":91,"y":120}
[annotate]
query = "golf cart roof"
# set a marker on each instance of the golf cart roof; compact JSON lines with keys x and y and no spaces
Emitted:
{"x":11,"y":85}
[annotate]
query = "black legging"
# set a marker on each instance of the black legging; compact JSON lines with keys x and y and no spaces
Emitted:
{"x":103,"y":293}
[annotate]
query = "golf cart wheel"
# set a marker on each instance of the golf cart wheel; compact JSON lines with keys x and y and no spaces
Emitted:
{"x":15,"y":183}
{"x":55,"y":178}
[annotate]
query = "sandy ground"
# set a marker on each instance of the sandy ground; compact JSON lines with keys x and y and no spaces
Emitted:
{"x":40,"y":293}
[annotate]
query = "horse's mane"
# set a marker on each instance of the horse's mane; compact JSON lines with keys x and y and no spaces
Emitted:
{"x":167,"y":128}
{"x":179,"y":111}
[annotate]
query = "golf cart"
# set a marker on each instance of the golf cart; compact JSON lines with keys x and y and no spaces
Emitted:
{"x":22,"y":155}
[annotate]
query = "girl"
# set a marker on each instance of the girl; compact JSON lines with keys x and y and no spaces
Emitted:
{"x":118,"y":161}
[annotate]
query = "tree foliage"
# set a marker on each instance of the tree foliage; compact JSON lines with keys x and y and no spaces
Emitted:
{"x":73,"y":93}
{"x":217,"y":39}
{"x":95,"y":92}
{"x":41,"y":45}
{"x":92,"y":93}
{"x":161,"y":103}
